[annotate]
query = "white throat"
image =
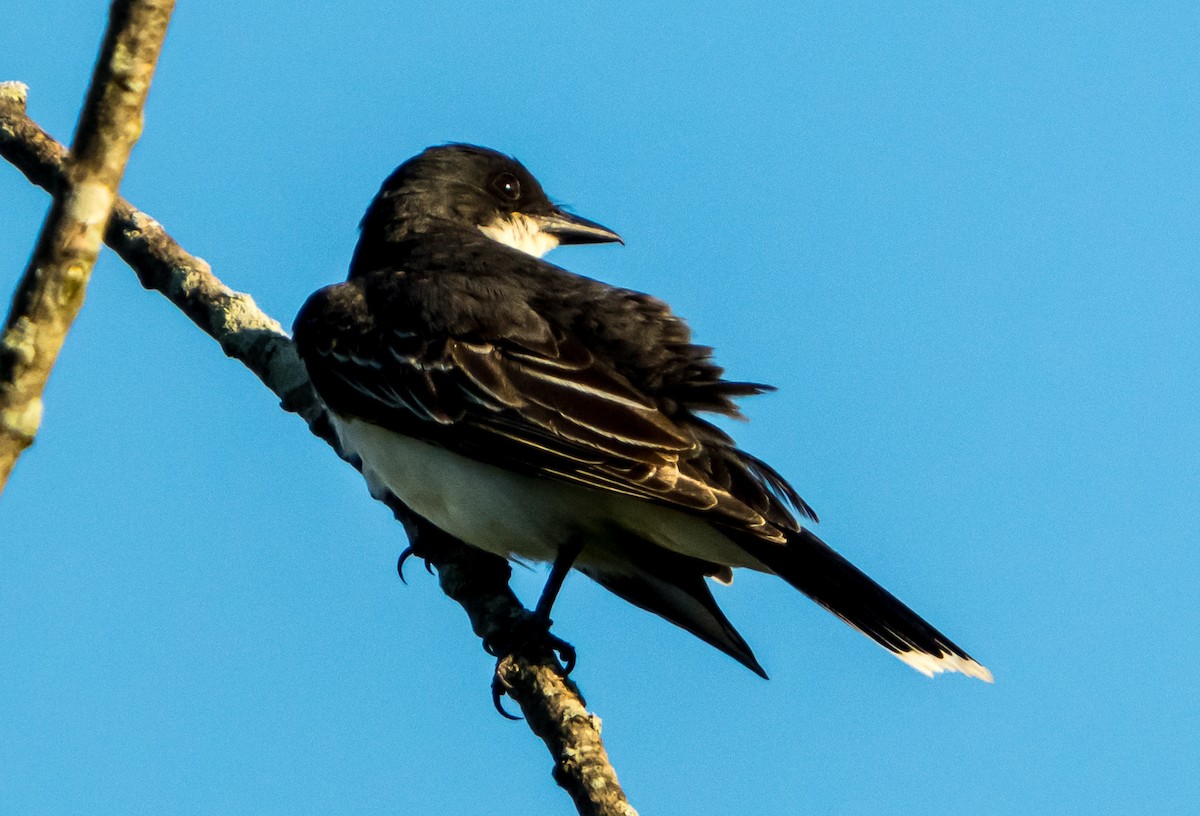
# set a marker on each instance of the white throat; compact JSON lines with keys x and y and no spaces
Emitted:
{"x":521,"y":232}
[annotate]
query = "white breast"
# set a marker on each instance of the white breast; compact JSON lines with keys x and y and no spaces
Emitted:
{"x":518,"y":516}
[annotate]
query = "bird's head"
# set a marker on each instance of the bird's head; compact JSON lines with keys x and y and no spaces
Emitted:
{"x":464,"y":186}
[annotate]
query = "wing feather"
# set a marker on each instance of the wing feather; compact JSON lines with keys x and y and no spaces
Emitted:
{"x":537,"y":400}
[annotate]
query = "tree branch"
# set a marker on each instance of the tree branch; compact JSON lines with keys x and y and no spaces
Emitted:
{"x":553,"y":706}
{"x":52,"y":290}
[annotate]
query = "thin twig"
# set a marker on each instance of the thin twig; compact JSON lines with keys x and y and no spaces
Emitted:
{"x":51,"y":292}
{"x":552,"y":705}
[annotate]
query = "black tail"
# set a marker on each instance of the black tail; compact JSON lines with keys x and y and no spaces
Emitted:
{"x":811,"y":566}
{"x":674,"y":587}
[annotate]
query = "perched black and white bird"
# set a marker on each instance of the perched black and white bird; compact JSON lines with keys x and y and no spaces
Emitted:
{"x":544,"y":416}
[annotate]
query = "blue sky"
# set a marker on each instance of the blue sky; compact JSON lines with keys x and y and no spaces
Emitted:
{"x":962,"y":240}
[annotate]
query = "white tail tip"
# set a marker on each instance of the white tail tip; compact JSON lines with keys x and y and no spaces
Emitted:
{"x":929,"y":665}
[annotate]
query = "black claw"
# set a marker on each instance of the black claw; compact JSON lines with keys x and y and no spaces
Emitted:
{"x":404,"y":556}
{"x":491,"y":645}
{"x":566,"y":653}
{"x":499,"y":689}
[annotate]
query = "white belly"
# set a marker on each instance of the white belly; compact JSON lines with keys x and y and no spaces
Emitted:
{"x":518,"y":516}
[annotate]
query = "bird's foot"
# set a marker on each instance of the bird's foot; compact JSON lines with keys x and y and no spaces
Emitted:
{"x":528,"y":636}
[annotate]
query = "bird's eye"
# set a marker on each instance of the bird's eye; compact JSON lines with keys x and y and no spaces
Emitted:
{"x":507,"y":185}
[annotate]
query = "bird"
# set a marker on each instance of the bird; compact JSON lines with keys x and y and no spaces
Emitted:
{"x":544,"y":416}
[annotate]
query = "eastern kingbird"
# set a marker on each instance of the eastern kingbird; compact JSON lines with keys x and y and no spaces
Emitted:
{"x":544,"y":416}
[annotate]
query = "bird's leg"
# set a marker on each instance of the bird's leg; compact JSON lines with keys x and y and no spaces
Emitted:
{"x":558,"y":573}
{"x":535,"y":629}
{"x":541,"y":613}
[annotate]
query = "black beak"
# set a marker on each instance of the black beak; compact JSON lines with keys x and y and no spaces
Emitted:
{"x":571,"y":229}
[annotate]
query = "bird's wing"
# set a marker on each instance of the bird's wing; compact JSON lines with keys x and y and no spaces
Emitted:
{"x":537,"y":402}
